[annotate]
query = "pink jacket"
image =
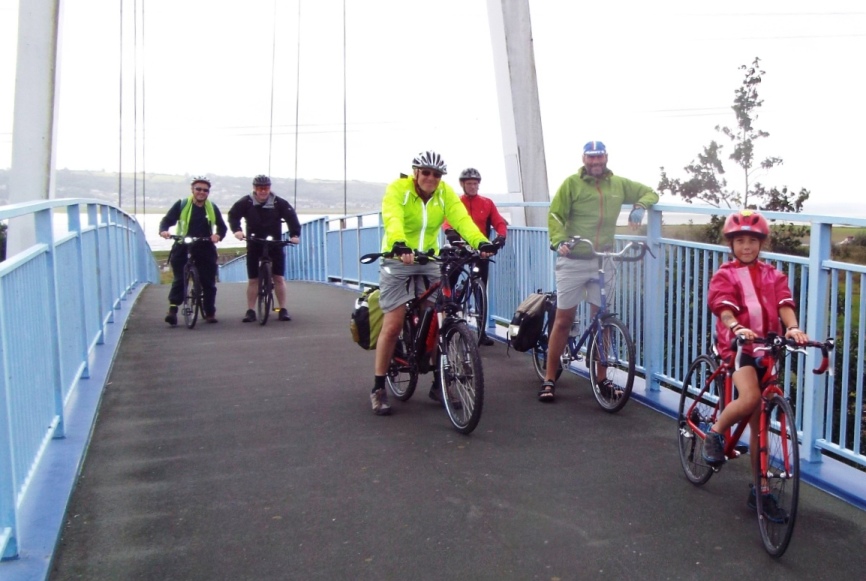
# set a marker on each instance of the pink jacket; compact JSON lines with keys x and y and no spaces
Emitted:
{"x":755,"y":306}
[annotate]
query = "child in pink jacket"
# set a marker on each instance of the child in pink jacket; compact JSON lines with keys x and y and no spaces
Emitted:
{"x":750,"y":298}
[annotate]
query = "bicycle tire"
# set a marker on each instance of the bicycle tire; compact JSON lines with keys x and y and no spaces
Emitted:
{"x":618,"y":347}
{"x":699,"y":400}
{"x":402,"y":376}
{"x":781,"y":456}
{"x":462,"y":376}
{"x":476,"y":305}
{"x":191,"y":297}
{"x":265,"y":301}
{"x":539,"y":352}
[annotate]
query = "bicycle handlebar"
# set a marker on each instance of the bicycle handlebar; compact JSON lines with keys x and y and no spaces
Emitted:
{"x":774,"y":343}
{"x":269,"y":241}
{"x":621,"y":256}
{"x":452,"y":251}
{"x":187,"y":239}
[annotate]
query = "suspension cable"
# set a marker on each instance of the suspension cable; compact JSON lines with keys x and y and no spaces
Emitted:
{"x":273,"y":65}
{"x":135,"y":106}
{"x":297,"y":102}
{"x":345,"y":150}
{"x":120,"y":120}
{"x":143,"y":124}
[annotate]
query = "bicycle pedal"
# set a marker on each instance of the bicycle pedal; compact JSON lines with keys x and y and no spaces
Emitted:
{"x":741,"y":449}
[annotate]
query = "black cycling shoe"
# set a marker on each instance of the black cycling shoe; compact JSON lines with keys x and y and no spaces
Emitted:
{"x":284,"y":315}
{"x":486,"y":341}
{"x":171,"y":316}
{"x":250,"y":317}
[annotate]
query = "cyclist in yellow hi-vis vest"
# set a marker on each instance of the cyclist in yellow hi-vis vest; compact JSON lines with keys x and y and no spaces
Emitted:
{"x":198,"y":217}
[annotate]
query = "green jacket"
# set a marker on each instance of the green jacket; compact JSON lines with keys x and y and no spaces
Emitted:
{"x":589,"y":207}
{"x":406,"y":218}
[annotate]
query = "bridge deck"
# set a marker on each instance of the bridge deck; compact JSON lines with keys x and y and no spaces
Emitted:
{"x":237,"y":451}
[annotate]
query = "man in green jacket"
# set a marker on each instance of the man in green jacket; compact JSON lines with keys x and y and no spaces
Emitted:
{"x":413,"y":210}
{"x":587,"y":204}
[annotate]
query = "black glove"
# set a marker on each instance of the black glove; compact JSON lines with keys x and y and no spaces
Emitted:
{"x":452,"y":235}
{"x":499,"y":241}
{"x":488,"y":247}
{"x":400,"y":248}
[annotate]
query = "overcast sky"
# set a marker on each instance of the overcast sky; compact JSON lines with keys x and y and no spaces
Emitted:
{"x":651,"y":80}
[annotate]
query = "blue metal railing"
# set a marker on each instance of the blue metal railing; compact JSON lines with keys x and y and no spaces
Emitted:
{"x":58,"y":296}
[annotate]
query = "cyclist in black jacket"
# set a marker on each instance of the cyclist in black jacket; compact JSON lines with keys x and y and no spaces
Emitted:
{"x":264,"y":213}
{"x":195,"y":216}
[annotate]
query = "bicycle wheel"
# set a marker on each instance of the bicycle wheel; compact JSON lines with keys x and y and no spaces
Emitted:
{"x":462,"y":377}
{"x":191,"y":297}
{"x":698,"y":403}
{"x":780,"y":462}
{"x":265,"y":301}
{"x":476,"y":305}
{"x":539,"y":352}
{"x":402,"y":377}
{"x":615,"y":352}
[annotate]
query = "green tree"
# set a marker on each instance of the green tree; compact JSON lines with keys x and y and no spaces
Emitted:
{"x":707,"y":181}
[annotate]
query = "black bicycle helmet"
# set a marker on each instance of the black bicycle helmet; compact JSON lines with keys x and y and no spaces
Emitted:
{"x":470,"y":173}
{"x":261,"y":180}
{"x":197,"y":179}
{"x":430,"y":160}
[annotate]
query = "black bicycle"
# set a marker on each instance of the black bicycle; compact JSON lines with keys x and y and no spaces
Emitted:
{"x":453,"y":348}
{"x":193,"y":294}
{"x":265,"y":300}
{"x":471,"y":291}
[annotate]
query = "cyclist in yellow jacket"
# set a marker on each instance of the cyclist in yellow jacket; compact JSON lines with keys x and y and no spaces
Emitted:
{"x":413,"y":210}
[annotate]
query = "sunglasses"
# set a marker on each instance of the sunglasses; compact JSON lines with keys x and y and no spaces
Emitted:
{"x":427,"y":173}
{"x":202,"y":189}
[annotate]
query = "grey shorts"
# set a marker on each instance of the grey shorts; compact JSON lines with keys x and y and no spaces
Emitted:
{"x":576,"y":281}
{"x":399,"y":283}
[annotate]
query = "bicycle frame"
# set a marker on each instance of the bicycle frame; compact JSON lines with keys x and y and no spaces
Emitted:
{"x":769,"y":383}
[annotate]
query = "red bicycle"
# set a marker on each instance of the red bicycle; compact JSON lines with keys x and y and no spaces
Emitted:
{"x":708,"y":387}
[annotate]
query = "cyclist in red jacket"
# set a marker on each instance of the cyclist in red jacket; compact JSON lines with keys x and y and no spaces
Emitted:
{"x":485,"y":215}
{"x":749,"y":298}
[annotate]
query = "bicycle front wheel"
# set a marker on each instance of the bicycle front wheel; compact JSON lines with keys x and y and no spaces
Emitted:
{"x":476,"y":305}
{"x":191,"y":298}
{"x":402,"y":377}
{"x":780,"y":468}
{"x":266,"y":293}
{"x":612,"y":351}
{"x":462,"y":377}
{"x":697,"y":412}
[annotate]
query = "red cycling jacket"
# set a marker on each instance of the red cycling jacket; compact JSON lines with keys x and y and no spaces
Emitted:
{"x":485,"y":215}
{"x":754,"y":293}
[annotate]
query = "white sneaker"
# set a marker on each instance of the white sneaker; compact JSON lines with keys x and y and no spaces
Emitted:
{"x":379,"y":399}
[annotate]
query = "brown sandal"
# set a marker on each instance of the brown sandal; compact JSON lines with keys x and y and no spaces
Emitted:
{"x":546,"y":393}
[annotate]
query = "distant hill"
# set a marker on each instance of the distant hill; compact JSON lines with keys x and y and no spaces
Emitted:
{"x":159,"y":191}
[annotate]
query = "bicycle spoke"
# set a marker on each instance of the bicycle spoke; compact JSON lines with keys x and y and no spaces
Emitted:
{"x":779,"y":481}
{"x":697,"y":411}
{"x":612,"y":350}
{"x":462,"y":377}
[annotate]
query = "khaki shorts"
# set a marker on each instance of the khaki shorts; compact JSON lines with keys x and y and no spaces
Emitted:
{"x":400,"y":283}
{"x":577,"y":280}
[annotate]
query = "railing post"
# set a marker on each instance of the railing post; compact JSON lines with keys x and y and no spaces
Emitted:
{"x":654,"y":305}
{"x":814,"y":396}
{"x":73,"y":214}
{"x":45,"y":235}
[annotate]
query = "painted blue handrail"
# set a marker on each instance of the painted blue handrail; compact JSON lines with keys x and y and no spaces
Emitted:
{"x":59,"y":295}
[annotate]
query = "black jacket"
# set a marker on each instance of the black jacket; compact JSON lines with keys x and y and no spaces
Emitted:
{"x":261,"y":221}
{"x":198,"y":224}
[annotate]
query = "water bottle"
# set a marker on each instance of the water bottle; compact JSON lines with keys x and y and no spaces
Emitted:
{"x":575,"y":329}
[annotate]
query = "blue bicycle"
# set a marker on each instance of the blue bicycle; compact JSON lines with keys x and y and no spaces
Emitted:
{"x":609,"y":344}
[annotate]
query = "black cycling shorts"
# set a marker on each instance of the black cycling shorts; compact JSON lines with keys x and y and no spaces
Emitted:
{"x":278,"y":260}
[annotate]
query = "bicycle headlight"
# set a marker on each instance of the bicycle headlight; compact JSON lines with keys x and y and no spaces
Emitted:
{"x":187,"y":240}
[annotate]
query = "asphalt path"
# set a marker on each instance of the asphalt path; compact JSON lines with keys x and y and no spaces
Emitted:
{"x":240,"y":451}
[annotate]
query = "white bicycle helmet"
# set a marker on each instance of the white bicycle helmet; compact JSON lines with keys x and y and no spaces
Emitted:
{"x":430,"y":160}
